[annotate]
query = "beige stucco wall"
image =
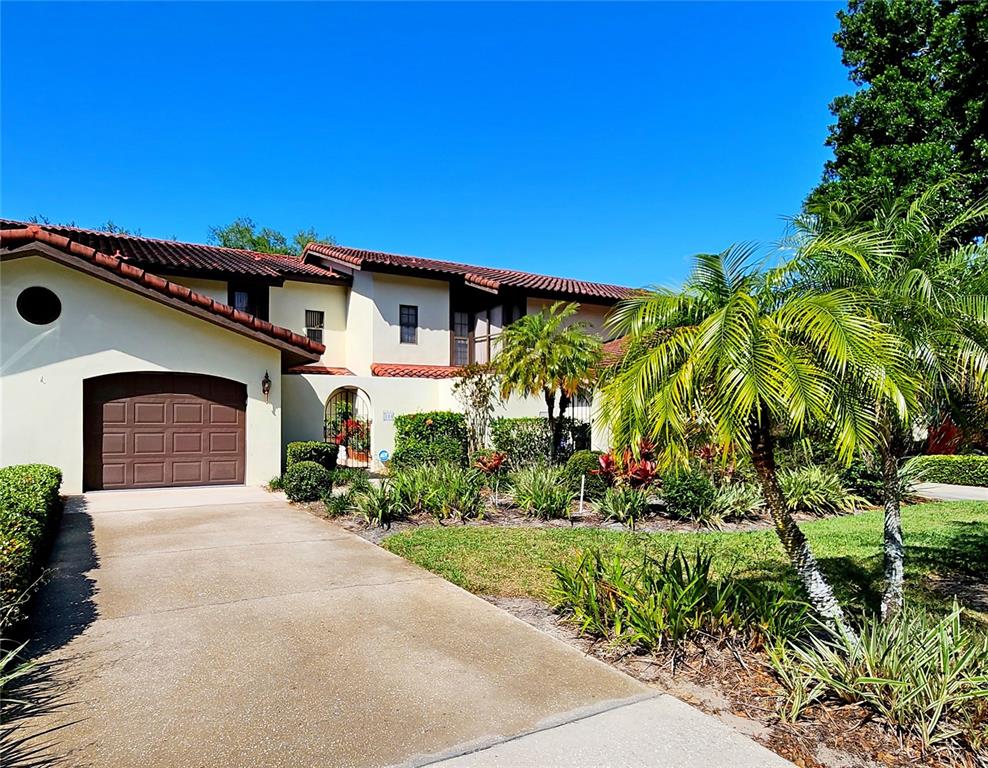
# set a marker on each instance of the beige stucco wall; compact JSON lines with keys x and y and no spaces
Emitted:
{"x":591,"y":314}
{"x":287,"y":308}
{"x":107,"y":329}
{"x":432,"y":299}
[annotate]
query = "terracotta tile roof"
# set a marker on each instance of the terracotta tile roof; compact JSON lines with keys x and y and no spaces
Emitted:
{"x":415,"y":371}
{"x":173,"y":256}
{"x":160,"y":288}
{"x":485,"y":278}
{"x":322,"y":370}
{"x":614,"y":350}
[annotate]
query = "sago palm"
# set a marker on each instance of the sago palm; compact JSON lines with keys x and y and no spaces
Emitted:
{"x":930,"y":290}
{"x":550,"y":356}
{"x":737,"y":352}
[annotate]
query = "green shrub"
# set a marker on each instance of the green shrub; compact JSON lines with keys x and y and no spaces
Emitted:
{"x":689,"y":494}
{"x":379,"y":505}
{"x":29,"y":508}
{"x":274,"y":484}
{"x":437,"y":437}
{"x":926,"y":676}
{"x":525,"y":441}
{"x":953,"y":470}
{"x":460,"y":493}
{"x":583,"y":464}
{"x":352,"y":478}
{"x":623,"y":504}
{"x":633,"y":598}
{"x":417,"y":488}
{"x":312,"y":450}
{"x":817,"y":490}
{"x":738,"y":501}
{"x":306,"y":481}
{"x":542,"y":491}
{"x":863,"y":478}
{"x":338,"y":504}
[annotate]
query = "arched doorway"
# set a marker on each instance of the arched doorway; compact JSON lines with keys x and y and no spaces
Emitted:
{"x":347,"y":423}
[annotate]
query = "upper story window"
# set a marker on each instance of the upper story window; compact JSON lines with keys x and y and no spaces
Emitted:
{"x":250,"y":298}
{"x":314,"y":322}
{"x":408,"y":318}
{"x":461,"y":338}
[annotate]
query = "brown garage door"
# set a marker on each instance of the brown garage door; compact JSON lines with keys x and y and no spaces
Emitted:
{"x":151,"y":430}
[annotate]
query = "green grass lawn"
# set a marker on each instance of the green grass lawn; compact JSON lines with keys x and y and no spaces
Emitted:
{"x":947,"y":539}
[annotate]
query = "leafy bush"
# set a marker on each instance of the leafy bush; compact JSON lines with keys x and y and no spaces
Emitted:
{"x":926,"y":676}
{"x":417,"y":488}
{"x":633,"y":598}
{"x":863,"y":478}
{"x":738,"y":501}
{"x":689,"y":494}
{"x":352,"y":478}
{"x":460,"y":493}
{"x":29,"y":509}
{"x":274,"y":484}
{"x":437,"y":437}
{"x":312,"y":450}
{"x":338,"y":504}
{"x":306,"y":481}
{"x":525,"y":441}
{"x":624,"y":504}
{"x":586,"y":464}
{"x":954,"y":470}
{"x":817,"y":490}
{"x":379,"y":505}
{"x":542,"y":491}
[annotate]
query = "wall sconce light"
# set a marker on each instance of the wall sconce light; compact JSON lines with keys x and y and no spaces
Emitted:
{"x":266,"y":386}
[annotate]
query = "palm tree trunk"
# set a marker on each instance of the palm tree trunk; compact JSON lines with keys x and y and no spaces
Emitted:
{"x":550,"y":402}
{"x":892,"y":597}
{"x":821,"y":594}
{"x":557,"y":433}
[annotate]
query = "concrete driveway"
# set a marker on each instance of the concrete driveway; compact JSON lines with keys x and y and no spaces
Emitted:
{"x":224,"y":627}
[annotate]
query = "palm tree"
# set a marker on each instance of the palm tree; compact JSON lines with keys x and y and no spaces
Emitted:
{"x":931,"y":292}
{"x":740,"y":352}
{"x":547,"y":355}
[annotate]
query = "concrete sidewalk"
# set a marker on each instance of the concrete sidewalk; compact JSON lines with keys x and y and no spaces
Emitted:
{"x":246,"y":632}
{"x":945,"y":492}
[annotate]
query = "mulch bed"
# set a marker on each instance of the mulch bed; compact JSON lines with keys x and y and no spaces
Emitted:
{"x":736,"y":686}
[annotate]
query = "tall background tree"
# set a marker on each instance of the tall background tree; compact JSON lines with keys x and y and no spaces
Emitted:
{"x":919,"y":116}
{"x":245,"y":233}
{"x":548,"y":355}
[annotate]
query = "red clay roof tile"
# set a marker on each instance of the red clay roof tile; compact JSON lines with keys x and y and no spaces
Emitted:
{"x":153,"y":285}
{"x":415,"y":371}
{"x":170,"y":255}
{"x":484,"y":277}
{"x":323,"y":370}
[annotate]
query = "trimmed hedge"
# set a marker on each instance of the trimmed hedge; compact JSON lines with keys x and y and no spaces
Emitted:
{"x":582,"y":464}
{"x":29,"y":510}
{"x":525,"y":441}
{"x":434,"y":437}
{"x":954,"y":470}
{"x":312,"y":450}
{"x":306,"y":481}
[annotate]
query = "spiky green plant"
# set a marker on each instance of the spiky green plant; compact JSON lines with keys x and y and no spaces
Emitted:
{"x":623,"y":504}
{"x":817,"y":490}
{"x":542,"y":491}
{"x":739,"y":351}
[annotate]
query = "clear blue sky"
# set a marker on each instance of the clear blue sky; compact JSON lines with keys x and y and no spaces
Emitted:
{"x":604,"y":142}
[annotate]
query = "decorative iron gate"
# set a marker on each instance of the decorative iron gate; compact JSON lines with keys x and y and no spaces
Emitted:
{"x":348,"y":425}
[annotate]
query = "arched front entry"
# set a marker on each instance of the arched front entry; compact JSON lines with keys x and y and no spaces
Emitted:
{"x":347,"y":423}
{"x":155,"y":430}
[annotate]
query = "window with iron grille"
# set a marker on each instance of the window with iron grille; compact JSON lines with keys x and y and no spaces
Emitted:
{"x":408,"y":318}
{"x":314,"y":321}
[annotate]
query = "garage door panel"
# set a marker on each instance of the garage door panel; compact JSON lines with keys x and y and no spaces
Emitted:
{"x":149,"y":443}
{"x":187,"y":442}
{"x":148,"y":430}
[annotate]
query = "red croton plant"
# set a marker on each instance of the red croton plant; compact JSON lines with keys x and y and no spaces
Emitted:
{"x":491,"y":462}
{"x":624,"y":468}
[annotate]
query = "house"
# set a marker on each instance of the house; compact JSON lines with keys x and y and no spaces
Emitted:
{"x":134,"y":362}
